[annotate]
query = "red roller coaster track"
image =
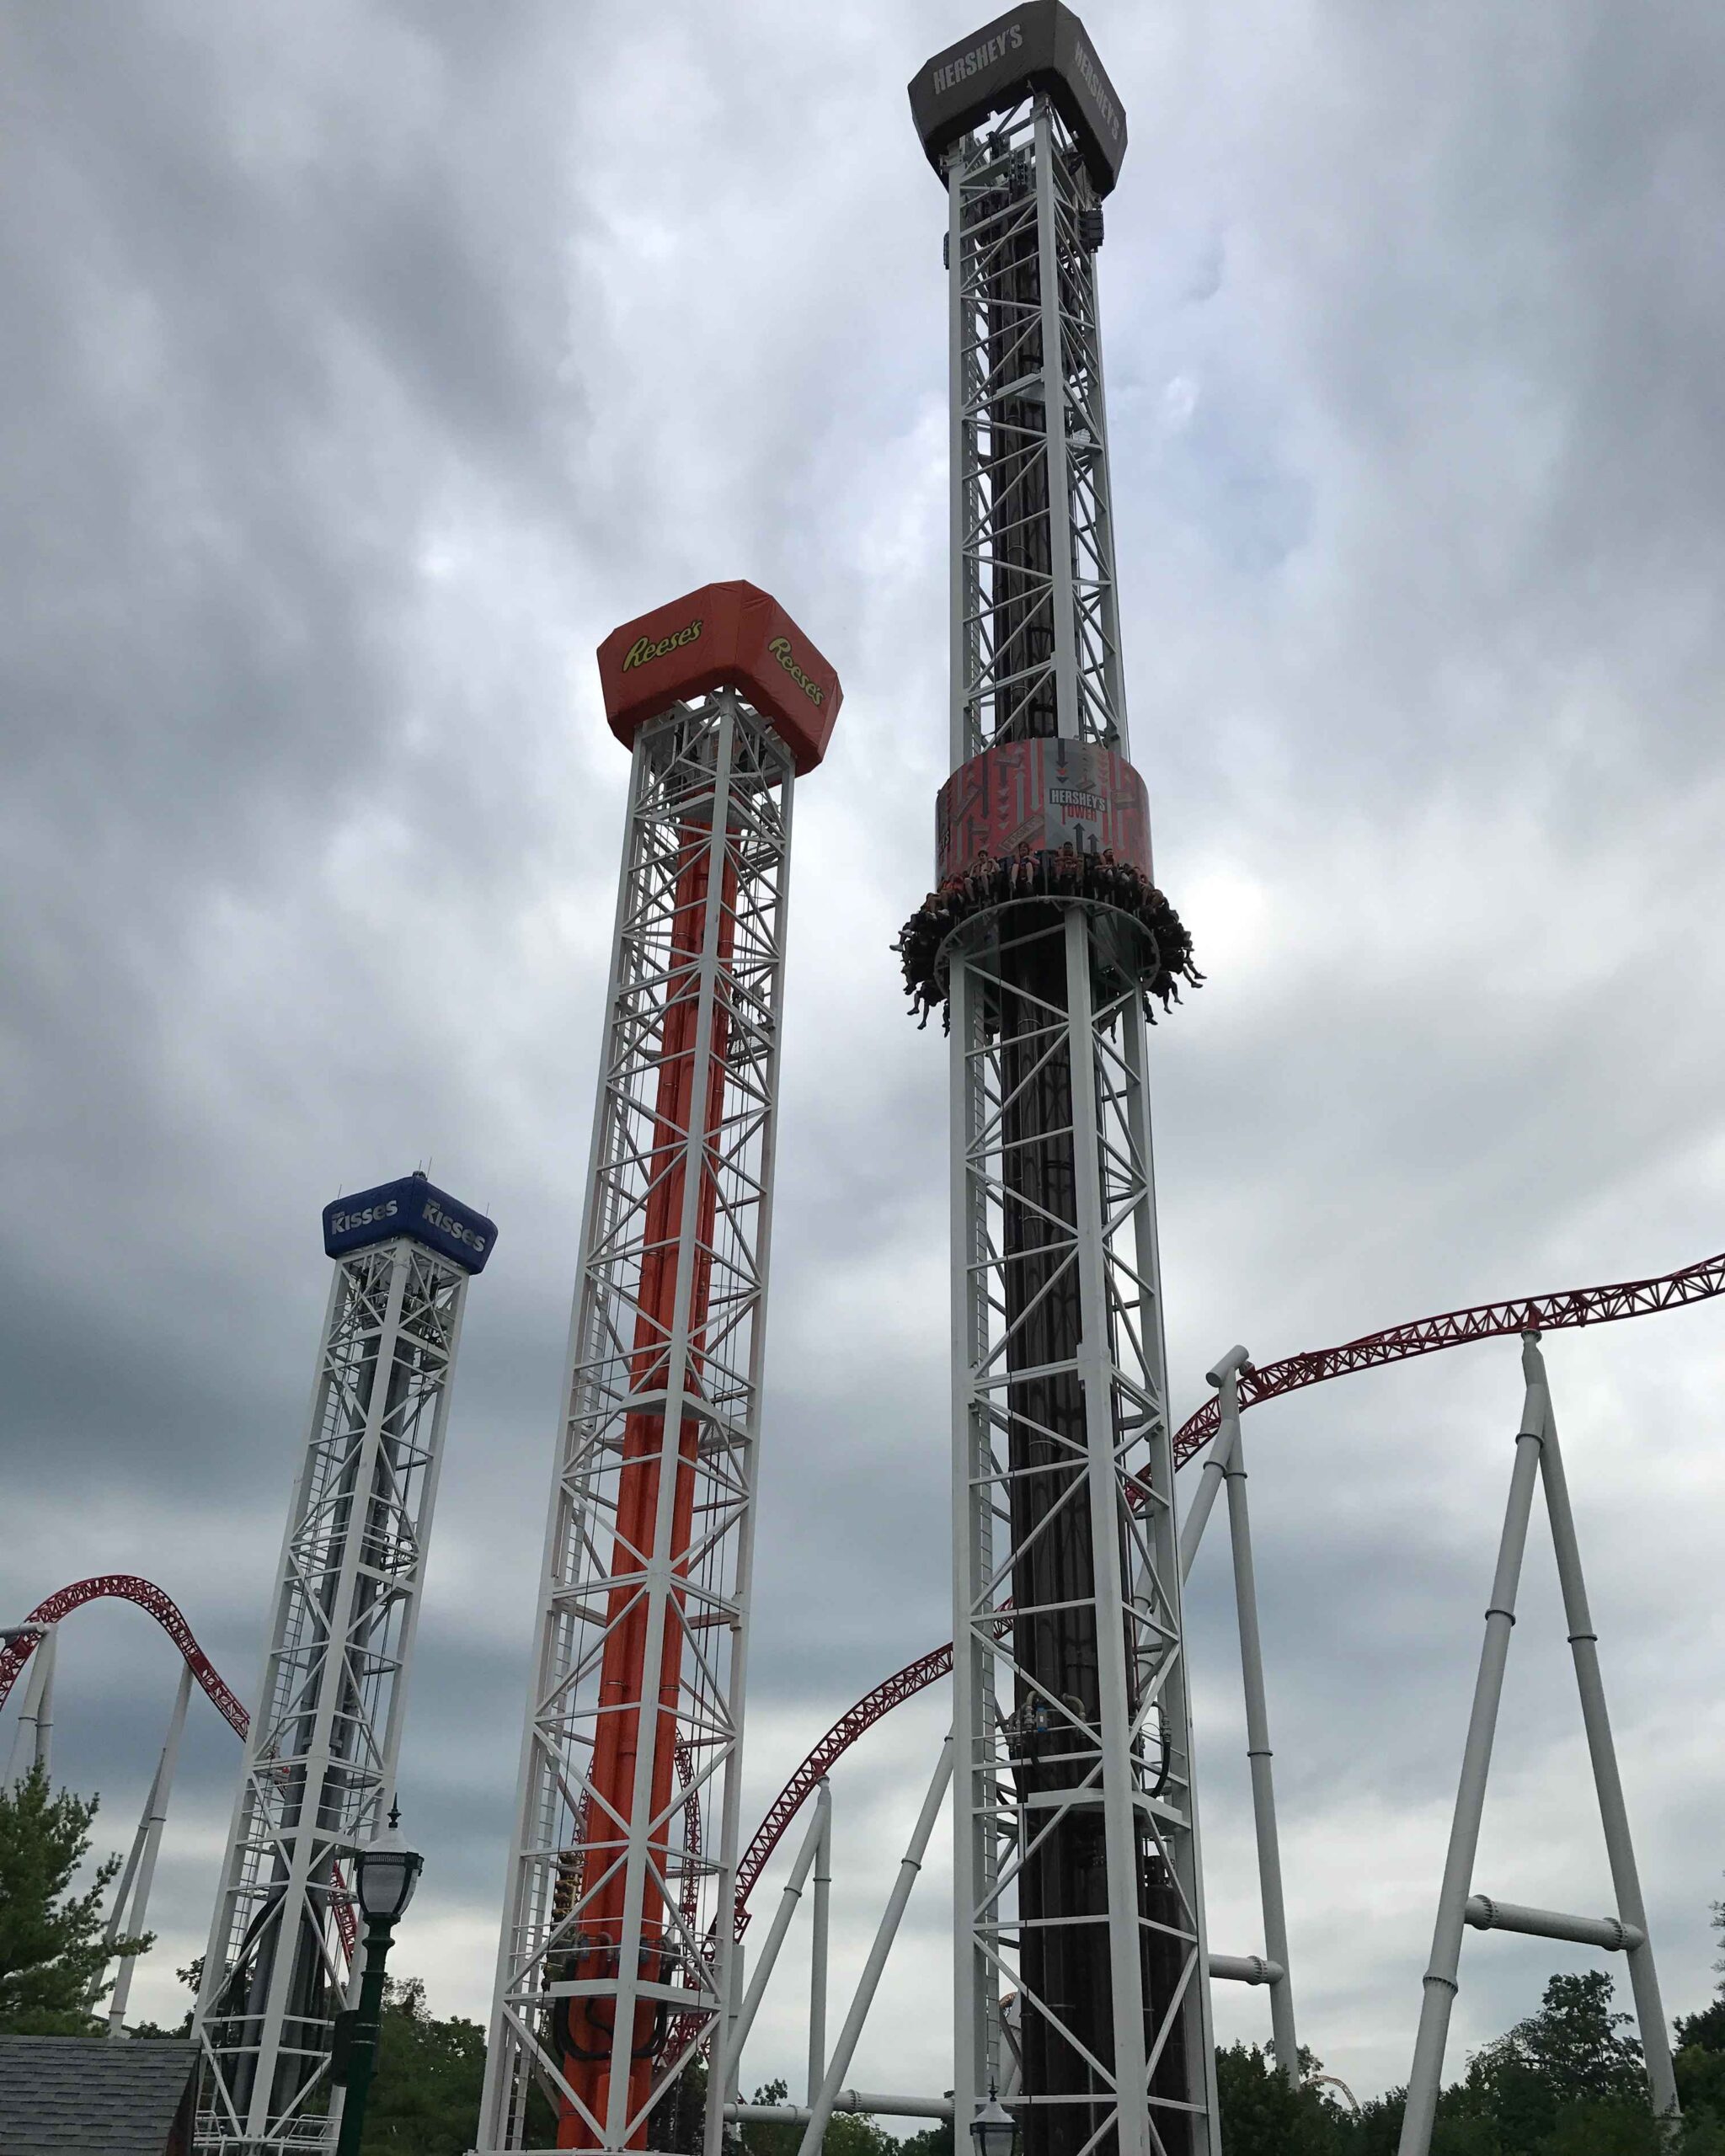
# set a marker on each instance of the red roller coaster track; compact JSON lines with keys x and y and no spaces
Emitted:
{"x":1396,"y":1343}
{"x":1572,"y":1307}
{"x":125,"y":1587}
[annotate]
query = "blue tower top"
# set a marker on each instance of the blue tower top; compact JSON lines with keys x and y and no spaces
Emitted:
{"x":412,"y":1206}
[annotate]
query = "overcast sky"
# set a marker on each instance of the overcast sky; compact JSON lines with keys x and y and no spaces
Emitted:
{"x":362,"y":364}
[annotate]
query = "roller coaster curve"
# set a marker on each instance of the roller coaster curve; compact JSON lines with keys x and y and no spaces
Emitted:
{"x":1396,"y":1343}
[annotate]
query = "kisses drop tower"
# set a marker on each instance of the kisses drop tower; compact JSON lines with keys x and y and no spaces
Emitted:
{"x":1082,"y":1996}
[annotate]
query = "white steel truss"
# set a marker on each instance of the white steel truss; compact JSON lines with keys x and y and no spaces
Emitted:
{"x":1077,"y":1877}
{"x":321,"y":1756}
{"x":1035,"y":625}
{"x":614,"y":1964}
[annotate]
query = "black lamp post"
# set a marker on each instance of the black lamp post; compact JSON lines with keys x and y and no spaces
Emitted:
{"x":992,"y":2130}
{"x":385,"y":1874}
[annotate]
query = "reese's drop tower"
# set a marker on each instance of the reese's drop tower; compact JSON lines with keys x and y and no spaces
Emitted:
{"x":614,"y":1966}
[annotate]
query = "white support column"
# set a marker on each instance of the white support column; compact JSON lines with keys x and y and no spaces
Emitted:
{"x":44,"y":1734}
{"x":820,"y":1917}
{"x":1538,"y":1457}
{"x":1211,"y":1475}
{"x":141,"y":1867}
{"x":1620,"y":1847}
{"x":1440,"y":1978}
{"x":35,"y":1712}
{"x":821,"y":2106}
{"x":1225,"y":1377}
{"x":788,"y":1898}
{"x":1120,"y":1728}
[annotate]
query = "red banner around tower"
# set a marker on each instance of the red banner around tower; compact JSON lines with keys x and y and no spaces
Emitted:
{"x":1042,"y":795}
{"x":723,"y":636}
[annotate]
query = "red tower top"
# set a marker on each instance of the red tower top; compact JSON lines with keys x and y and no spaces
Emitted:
{"x":730,"y":635}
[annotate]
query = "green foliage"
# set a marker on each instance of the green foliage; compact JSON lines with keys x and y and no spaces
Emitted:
{"x":848,"y":2133}
{"x":936,"y":2140}
{"x":1701,"y":2054}
{"x":1263,"y":2115}
{"x":425,"y":2089}
{"x":51,"y":1948}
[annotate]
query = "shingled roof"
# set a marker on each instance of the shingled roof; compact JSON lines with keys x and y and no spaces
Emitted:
{"x":88,"y":2096}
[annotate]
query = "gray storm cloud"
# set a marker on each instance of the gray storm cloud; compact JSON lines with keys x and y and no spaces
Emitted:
{"x":360,"y":367}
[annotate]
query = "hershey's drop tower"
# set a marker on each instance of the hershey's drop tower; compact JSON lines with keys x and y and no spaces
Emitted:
{"x":1077,"y":1881}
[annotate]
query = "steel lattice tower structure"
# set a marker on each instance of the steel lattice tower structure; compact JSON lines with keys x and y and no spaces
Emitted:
{"x":614,"y":1964}
{"x":321,"y":1753}
{"x":1076,"y":1858}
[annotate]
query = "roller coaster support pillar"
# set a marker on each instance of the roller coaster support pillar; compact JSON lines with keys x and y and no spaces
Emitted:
{"x":1214,"y":1472}
{"x":1620,"y":1847}
{"x":1440,"y":1976}
{"x":820,"y":2108}
{"x":1537,"y":1457}
{"x":132,"y":1901}
{"x":818,"y":1940}
{"x":787,"y":1901}
{"x":1257,"y":1725}
{"x":31,"y":1741}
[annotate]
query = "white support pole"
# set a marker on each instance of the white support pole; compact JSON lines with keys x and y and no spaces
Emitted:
{"x":149,"y":1842}
{"x":26,"y":1746}
{"x":44,"y":1705}
{"x":787,"y":1901}
{"x":1440,"y":1976}
{"x":732,"y":2075}
{"x":848,"y":2102}
{"x":1486,"y":1913}
{"x":821,"y":2108}
{"x":1214,"y":1472}
{"x":818,"y":1917}
{"x":1258,"y":1725}
{"x":1620,"y":1847}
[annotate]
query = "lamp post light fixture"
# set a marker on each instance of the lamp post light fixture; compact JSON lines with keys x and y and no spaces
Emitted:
{"x":385,"y":1874}
{"x":993,"y":2130}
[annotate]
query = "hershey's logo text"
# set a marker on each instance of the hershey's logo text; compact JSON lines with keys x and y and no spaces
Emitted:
{"x":978,"y":57}
{"x":1094,"y":82}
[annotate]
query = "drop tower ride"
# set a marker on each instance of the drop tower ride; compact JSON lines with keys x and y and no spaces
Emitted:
{"x":614,"y":1966}
{"x":320,"y":1754}
{"x":1077,"y":1859}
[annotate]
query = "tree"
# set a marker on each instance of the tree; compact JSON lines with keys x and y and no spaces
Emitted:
{"x":51,"y":1950}
{"x":1263,"y":2115}
{"x":425,"y":2094}
{"x":848,"y":2133}
{"x":1519,"y":2091}
{"x":1701,"y":2047}
{"x":936,"y":2140}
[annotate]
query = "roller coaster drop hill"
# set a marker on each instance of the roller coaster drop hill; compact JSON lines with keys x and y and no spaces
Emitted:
{"x":1550,"y":1313}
